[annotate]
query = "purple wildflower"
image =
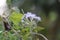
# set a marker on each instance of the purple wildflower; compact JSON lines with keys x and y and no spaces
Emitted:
{"x":31,"y":16}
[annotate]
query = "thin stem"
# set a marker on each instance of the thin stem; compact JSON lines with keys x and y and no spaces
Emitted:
{"x":31,"y":31}
{"x":22,"y":11}
{"x":16,"y":33}
{"x":40,"y":35}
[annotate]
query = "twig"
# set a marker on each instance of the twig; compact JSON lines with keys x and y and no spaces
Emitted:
{"x":40,"y":35}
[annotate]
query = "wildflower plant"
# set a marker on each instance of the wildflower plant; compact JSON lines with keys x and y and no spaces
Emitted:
{"x":23,"y":27}
{"x":29,"y":21}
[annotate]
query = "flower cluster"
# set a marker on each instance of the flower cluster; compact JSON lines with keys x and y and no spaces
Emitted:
{"x":31,"y":17}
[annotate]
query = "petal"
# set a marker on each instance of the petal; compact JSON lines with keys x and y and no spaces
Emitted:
{"x":38,"y":18}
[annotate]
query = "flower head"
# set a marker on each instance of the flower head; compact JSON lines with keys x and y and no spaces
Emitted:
{"x":30,"y":16}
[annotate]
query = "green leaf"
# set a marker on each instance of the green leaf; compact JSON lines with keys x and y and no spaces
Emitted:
{"x":15,"y":17}
{"x":38,"y":29}
{"x":25,"y":31}
{"x":16,"y":27}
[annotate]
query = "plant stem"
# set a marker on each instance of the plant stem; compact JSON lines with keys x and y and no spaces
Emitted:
{"x":40,"y":35}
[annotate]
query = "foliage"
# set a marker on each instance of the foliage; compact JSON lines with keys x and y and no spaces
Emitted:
{"x":19,"y":31}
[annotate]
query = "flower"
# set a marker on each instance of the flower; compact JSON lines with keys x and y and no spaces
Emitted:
{"x":30,"y":16}
{"x":38,"y":18}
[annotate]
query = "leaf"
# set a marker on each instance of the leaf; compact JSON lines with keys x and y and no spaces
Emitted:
{"x":16,"y":27}
{"x":25,"y":31}
{"x":15,"y":17}
{"x":38,"y":29}
{"x":25,"y":37}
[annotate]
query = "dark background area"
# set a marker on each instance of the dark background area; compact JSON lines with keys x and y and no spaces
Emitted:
{"x":49,"y":10}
